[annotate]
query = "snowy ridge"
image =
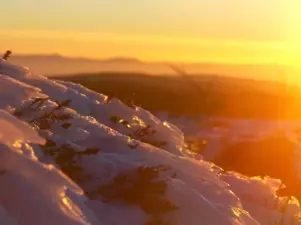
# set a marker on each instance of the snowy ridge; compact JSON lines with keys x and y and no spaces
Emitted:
{"x":73,"y":156}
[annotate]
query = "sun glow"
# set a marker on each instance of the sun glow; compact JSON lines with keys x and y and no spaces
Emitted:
{"x":293,"y":33}
{"x":241,"y":32}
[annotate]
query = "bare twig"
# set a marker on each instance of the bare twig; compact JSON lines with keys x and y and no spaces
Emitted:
{"x":7,"y":55}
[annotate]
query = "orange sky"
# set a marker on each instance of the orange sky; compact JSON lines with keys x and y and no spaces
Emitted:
{"x":236,"y":31}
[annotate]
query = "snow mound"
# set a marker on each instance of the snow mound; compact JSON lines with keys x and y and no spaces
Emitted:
{"x":86,"y":158}
{"x":29,"y":188}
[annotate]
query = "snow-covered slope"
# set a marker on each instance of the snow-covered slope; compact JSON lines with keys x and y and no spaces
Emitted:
{"x":73,"y":156}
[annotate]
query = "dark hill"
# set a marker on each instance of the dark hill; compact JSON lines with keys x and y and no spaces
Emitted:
{"x":213,"y":95}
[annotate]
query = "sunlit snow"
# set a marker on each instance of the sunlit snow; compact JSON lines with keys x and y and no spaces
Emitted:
{"x":63,"y":168}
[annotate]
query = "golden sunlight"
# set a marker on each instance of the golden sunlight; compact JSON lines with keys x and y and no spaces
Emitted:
{"x":293,"y":33}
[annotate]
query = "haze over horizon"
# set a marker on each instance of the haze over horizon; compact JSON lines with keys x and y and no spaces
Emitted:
{"x":130,"y":58}
{"x":59,"y":65}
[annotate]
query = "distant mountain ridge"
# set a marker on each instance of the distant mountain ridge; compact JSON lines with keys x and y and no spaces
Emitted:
{"x":61,"y":57}
{"x":57,"y":65}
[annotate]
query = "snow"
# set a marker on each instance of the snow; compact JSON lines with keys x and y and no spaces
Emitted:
{"x":221,"y":131}
{"x":66,"y":163}
{"x":29,"y":188}
{"x":13,"y":130}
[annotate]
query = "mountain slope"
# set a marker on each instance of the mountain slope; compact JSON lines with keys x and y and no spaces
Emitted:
{"x":89,"y":159}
